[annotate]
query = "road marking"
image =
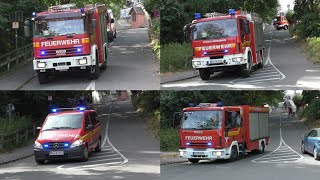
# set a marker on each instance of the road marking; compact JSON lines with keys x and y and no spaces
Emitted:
{"x":282,"y":154}
{"x":91,"y":86}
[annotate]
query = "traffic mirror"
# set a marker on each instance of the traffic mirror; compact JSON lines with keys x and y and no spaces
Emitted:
{"x":176,"y":119}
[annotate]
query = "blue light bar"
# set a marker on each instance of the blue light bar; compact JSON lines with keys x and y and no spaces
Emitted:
{"x":209,"y":143}
{"x":81,"y":108}
{"x":191,"y":105}
{"x":197,"y":15}
{"x":188,"y":143}
{"x":82,"y":10}
{"x":33,"y":14}
{"x":232,"y":12}
{"x":54,"y":110}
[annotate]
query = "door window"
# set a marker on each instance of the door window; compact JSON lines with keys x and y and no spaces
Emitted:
{"x":313,"y":133}
{"x":87,"y":122}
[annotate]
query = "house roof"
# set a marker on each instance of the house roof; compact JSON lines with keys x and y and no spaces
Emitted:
{"x":138,"y":10}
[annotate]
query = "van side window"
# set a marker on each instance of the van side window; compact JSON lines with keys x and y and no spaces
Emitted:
{"x":87,"y":121}
{"x":94,"y":119}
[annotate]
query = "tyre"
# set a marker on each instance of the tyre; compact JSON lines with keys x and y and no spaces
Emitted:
{"x":303,"y":150}
{"x":261,"y":64}
{"x":262,"y":147}
{"x":193,"y":161}
{"x":43,"y":78}
{"x":285,"y":27}
{"x":110,"y":38}
{"x":234,"y":153}
{"x":115,"y":34}
{"x":85,"y":154}
{"x":204,"y":74}
{"x":315,"y":154}
{"x":104,"y":64}
{"x":246,"y":69}
{"x":98,"y":148}
{"x":94,"y":72}
{"x":41,"y":162}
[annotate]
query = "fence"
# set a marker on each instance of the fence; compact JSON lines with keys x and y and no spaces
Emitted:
{"x":14,"y":138}
{"x":24,"y":53}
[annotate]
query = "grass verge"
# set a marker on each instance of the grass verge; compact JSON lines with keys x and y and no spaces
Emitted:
{"x":169,"y":139}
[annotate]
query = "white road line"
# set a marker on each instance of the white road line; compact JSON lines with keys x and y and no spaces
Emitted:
{"x":115,"y":149}
{"x":98,"y":157}
{"x":87,"y":166}
{"x":260,"y":80}
{"x":272,"y":157}
{"x":91,"y":86}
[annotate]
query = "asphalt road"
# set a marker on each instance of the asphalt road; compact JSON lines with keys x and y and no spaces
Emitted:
{"x":131,"y":65}
{"x":282,"y":159}
{"x":286,"y":68}
{"x":129,"y":152}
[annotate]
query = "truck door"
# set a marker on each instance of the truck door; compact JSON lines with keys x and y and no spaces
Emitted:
{"x":88,"y":129}
{"x":96,"y":125}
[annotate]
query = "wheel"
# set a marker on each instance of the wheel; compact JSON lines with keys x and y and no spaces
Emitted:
{"x":261,"y":149}
{"x":193,"y":161}
{"x":246,"y":69}
{"x":41,"y":162}
{"x":94,"y":72}
{"x":204,"y":74}
{"x":43,"y":78}
{"x":302,"y":148}
{"x":110,"y":39}
{"x":286,"y":27}
{"x":315,"y":154}
{"x":104,"y":64}
{"x":261,"y":64}
{"x":234,"y":153}
{"x":85,"y":154}
{"x":98,"y":148}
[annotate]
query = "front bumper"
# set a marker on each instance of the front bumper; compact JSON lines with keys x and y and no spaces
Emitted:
{"x":63,"y":63}
{"x":227,"y":60}
{"x":209,"y":153}
{"x":69,"y":153}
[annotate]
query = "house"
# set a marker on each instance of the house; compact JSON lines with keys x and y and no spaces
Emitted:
{"x":138,"y":17}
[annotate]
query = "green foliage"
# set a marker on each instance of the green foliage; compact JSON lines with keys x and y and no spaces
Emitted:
{"x":154,"y":33}
{"x":297,"y":99}
{"x":176,"y":57}
{"x":313,"y":46}
{"x":309,"y":26}
{"x":169,"y":139}
{"x":290,"y":16}
{"x":312,"y":111}
{"x":16,"y":123}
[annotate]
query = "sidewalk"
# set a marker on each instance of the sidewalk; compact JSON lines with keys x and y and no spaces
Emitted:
{"x":17,"y":154}
{"x":170,"y":158}
{"x":178,"y":76}
{"x":13,"y":79}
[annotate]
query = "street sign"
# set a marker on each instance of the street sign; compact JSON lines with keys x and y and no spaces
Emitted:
{"x":15,"y":25}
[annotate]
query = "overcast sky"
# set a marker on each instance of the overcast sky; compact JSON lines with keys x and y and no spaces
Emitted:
{"x":284,"y":4}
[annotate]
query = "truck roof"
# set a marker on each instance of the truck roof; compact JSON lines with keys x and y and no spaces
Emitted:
{"x":210,"y":108}
{"x":217,"y":18}
{"x":70,"y":112}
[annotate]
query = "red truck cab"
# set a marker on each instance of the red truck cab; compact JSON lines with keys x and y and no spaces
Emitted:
{"x":211,"y":132}
{"x":280,"y":22}
{"x":70,"y":134}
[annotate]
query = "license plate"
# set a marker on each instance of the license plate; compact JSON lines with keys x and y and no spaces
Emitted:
{"x":61,"y":52}
{"x":198,"y":153}
{"x":216,"y":61}
{"x":61,"y":68}
{"x":56,"y":153}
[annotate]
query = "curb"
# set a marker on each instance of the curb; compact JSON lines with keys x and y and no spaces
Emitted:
{"x":175,"y":78}
{"x":173,"y":162}
{"x":7,"y":162}
{"x":26,"y":82}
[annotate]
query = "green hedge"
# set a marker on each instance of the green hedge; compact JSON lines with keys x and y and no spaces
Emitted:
{"x":169,"y":139}
{"x":16,"y":123}
{"x":312,"y":111}
{"x":308,"y":27}
{"x":313,"y":46}
{"x":176,"y":57}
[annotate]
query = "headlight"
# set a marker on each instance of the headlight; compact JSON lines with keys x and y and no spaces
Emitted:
{"x":76,"y":143}
{"x":82,"y":61}
{"x":182,"y":153}
{"x":217,"y":153}
{"x":197,"y":63}
{"x":239,"y":59}
{"x":41,"y":64}
{"x":37,"y":145}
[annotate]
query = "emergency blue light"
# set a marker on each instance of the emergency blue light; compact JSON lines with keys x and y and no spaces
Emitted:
{"x":33,"y":14}
{"x":46,"y":145}
{"x":191,"y":105}
{"x":82,"y":10}
{"x":78,"y":49}
{"x":197,"y":15}
{"x":43,"y":53}
{"x":226,"y":51}
{"x":81,"y":108}
{"x":188,"y":143}
{"x":209,"y":144}
{"x":54,"y":110}
{"x":205,"y":53}
{"x":66,"y":145}
{"x":232,"y":12}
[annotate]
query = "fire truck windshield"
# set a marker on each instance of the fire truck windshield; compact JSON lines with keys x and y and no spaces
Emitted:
{"x":58,"y":27}
{"x":215,"y":29}
{"x":65,"y":121}
{"x":202,"y":120}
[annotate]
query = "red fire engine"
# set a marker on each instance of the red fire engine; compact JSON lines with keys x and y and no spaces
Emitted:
{"x":211,"y":132}
{"x":111,"y":29}
{"x":67,"y":38}
{"x":226,"y":43}
{"x":280,"y":22}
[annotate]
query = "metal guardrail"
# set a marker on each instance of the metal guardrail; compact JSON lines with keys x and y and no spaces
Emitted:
{"x":16,"y":137}
{"x":24,"y":53}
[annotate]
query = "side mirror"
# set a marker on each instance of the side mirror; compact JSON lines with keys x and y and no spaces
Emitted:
{"x":89,"y":127}
{"x":94,"y":23}
{"x":176,"y":119}
{"x":187,"y":32}
{"x":112,"y":20}
{"x":27,"y":32}
{"x":38,"y":128}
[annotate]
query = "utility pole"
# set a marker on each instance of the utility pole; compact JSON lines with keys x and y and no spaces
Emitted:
{"x":15,"y":18}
